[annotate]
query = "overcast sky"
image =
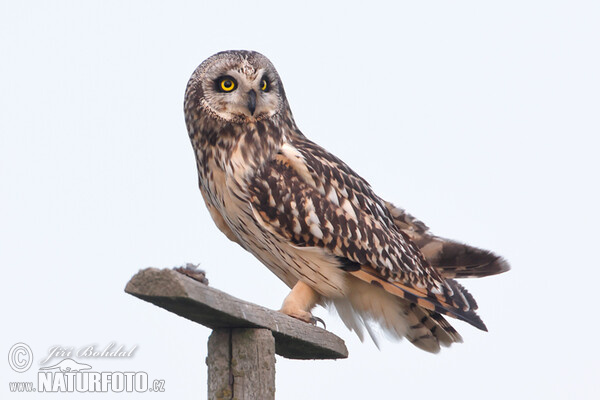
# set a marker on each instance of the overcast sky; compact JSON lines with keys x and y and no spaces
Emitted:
{"x":480,"y":119}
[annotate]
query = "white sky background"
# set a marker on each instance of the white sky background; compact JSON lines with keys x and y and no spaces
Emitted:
{"x":480,"y":119}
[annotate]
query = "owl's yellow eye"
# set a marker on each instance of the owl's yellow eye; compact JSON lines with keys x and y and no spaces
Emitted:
{"x":226,"y":84}
{"x":264,"y":85}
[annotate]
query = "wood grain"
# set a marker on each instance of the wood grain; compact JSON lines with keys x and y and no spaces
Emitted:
{"x":215,"y":309}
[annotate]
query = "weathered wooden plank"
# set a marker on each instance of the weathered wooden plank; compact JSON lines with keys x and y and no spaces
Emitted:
{"x":215,"y":309}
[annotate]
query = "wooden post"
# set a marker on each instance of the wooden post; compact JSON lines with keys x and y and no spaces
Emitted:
{"x":241,"y":364}
{"x":245,"y":338}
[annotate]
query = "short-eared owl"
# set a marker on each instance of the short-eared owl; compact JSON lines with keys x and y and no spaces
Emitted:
{"x":312,"y":220}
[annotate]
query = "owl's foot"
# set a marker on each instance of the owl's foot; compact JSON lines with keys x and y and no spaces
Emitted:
{"x":304,"y":316}
{"x":300,"y":301}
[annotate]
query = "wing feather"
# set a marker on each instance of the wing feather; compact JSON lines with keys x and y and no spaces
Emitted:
{"x":313,"y":199}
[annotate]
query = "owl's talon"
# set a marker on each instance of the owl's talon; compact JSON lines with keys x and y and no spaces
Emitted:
{"x":314,"y":320}
{"x":304,"y":316}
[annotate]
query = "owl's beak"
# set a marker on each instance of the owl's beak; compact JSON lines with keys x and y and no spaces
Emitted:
{"x":252,"y":101}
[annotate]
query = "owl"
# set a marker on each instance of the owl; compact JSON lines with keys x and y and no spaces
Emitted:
{"x":313,"y":221}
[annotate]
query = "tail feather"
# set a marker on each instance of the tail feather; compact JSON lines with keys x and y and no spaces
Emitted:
{"x":451,"y":259}
{"x":367,"y":304}
{"x":455,"y":301}
{"x":431,"y":330}
{"x":457,"y":260}
{"x":448,"y":334}
{"x":405,"y":310}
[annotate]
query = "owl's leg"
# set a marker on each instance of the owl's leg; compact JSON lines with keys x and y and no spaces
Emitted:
{"x":300,"y":301}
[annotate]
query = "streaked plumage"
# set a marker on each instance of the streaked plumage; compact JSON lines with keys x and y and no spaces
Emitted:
{"x":313,"y":221}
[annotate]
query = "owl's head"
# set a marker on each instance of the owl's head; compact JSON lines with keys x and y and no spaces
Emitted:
{"x":236,"y":86}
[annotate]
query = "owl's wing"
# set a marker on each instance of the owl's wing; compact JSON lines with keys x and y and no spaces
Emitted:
{"x":312,"y":202}
{"x":450,"y":258}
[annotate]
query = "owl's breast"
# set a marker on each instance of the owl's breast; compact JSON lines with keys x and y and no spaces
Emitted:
{"x":228,"y":200}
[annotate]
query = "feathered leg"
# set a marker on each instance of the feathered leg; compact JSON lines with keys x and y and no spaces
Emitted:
{"x":301,"y":300}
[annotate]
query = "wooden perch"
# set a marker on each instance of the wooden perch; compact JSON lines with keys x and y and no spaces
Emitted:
{"x":215,"y":309}
{"x":245,"y":338}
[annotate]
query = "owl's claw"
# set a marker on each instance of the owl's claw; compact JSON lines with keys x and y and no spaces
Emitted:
{"x":304,"y":316}
{"x":314,"y":320}
{"x":300,"y":301}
